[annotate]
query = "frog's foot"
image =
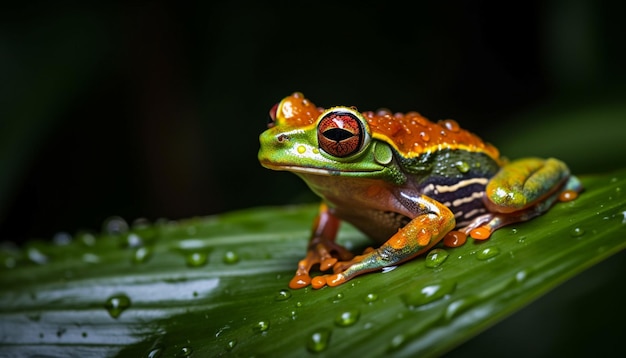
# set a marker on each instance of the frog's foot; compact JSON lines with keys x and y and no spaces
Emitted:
{"x":483,"y":226}
{"x":325,"y":253}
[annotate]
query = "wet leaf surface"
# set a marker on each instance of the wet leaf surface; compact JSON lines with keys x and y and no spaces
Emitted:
{"x":218,"y":285}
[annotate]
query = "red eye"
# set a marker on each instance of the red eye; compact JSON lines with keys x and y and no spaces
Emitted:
{"x":340,"y":133}
{"x":272,"y":113}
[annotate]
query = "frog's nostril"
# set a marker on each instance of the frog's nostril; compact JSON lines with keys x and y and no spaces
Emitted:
{"x":282,"y":138}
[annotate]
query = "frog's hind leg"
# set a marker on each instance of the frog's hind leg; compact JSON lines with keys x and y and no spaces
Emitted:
{"x":521,"y":191}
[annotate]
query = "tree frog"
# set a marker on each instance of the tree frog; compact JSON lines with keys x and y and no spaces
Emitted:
{"x":403,"y":180}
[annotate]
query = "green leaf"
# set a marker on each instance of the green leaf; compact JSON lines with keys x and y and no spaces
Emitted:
{"x":218,"y":285}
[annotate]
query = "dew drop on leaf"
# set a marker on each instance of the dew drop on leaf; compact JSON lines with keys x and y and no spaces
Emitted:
{"x":428,"y":293}
{"x":318,"y":340}
{"x":261,"y":326}
{"x":133,"y":240}
{"x":282,"y":295}
{"x":397,"y":341}
{"x":347,"y":318}
{"x":114,"y":225}
{"x":487,"y":253}
{"x":116,"y":304}
{"x":231,"y":344}
{"x":230,"y":257}
{"x":436,"y":257}
{"x":370,"y":297}
{"x":185,"y":352}
{"x":141,"y":255}
{"x":336,"y":298}
{"x":577,"y":232}
{"x":155,"y":352}
{"x":36,"y":256}
{"x":197,"y":259}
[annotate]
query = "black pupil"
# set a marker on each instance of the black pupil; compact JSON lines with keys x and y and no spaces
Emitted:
{"x":337,"y":134}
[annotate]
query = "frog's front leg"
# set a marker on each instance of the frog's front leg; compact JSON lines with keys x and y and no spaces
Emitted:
{"x":522,"y":190}
{"x":322,"y":249}
{"x":432,"y":222}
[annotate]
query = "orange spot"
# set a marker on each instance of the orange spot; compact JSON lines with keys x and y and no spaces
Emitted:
{"x":318,"y":282}
{"x":481,"y":233}
{"x":398,"y":241}
{"x":454,"y":239}
{"x":423,"y":238}
{"x":299,"y":281}
{"x":328,"y":263}
{"x":568,"y":195}
{"x":335,"y":280}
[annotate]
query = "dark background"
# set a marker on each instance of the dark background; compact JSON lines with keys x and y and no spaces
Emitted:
{"x":153,"y":110}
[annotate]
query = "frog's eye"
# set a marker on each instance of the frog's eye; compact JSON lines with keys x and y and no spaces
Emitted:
{"x":272,"y":120}
{"x":341,"y":133}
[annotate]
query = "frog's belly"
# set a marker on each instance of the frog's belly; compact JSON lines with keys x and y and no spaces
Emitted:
{"x":463,"y":197}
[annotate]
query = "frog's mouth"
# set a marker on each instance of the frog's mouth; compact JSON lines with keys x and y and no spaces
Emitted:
{"x":314,"y":170}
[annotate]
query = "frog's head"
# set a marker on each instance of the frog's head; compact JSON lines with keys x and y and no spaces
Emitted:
{"x":305,"y":139}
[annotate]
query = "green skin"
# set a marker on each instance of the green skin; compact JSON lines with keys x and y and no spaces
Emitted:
{"x":385,"y":195}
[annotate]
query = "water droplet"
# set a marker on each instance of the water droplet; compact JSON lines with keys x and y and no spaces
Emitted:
{"x":184,"y":352}
{"x":155,"y":352}
{"x":318,"y":340}
{"x":436,"y":257}
{"x":62,"y":238}
{"x":429,"y":293}
{"x":459,"y":306}
{"x":230,"y":257}
{"x":141,"y":255}
{"x":336,"y":298}
{"x":36,"y":256}
{"x":116,"y":304}
{"x":462,"y":167}
{"x":197,"y":259}
{"x":577,"y":232}
{"x":371,"y":297}
{"x":133,"y":240}
{"x":115,"y":225}
{"x":261,"y":326}
{"x":347,"y":318}
{"x":487,"y":253}
{"x":521,"y":276}
{"x":231,"y":344}
{"x":397,"y":341}
{"x":282,"y":295}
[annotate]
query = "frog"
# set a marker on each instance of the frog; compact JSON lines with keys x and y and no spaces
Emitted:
{"x":406,"y":182}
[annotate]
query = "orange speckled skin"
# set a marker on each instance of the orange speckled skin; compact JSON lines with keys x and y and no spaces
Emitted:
{"x":410,"y":134}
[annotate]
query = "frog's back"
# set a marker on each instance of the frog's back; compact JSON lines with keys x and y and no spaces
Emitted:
{"x":412,"y":135}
